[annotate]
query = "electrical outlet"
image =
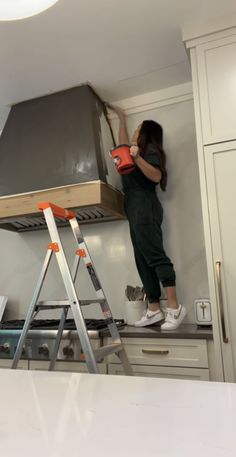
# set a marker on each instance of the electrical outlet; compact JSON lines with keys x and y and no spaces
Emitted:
{"x":203,"y":314}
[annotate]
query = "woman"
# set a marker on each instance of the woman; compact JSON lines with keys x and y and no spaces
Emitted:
{"x":145,"y":214}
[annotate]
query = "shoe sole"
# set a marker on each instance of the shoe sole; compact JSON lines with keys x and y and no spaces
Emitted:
{"x":152,"y":321}
{"x":183,"y":313}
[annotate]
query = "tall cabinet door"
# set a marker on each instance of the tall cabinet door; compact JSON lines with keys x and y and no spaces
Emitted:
{"x":217,"y":89}
{"x":220,"y":162}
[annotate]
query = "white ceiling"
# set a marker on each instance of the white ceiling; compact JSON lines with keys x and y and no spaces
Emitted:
{"x":123,"y":47}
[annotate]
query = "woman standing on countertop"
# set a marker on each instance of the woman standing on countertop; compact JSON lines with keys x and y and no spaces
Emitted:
{"x":145,"y":215}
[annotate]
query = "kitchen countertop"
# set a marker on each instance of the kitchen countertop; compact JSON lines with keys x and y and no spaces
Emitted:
{"x":55,"y":414}
{"x":188,"y":331}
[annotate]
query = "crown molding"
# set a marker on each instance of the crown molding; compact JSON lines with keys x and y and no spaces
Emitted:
{"x":156,"y":99}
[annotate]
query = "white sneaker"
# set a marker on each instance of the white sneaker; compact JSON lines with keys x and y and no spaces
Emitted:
{"x":150,"y":318}
{"x":173,"y":318}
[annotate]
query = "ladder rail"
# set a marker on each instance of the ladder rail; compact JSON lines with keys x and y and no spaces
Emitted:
{"x":31,"y":310}
{"x":58,"y":339}
{"x":63,"y":319}
{"x":94,"y":278}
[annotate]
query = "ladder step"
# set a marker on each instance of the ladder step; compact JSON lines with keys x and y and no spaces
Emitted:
{"x":53,"y":304}
{"x":107,"y":350}
{"x":92,"y":302}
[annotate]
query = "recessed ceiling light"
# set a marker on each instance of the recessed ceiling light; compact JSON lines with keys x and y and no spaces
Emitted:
{"x":12,"y":10}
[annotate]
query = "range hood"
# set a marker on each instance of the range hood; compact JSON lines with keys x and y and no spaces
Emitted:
{"x":55,"y":148}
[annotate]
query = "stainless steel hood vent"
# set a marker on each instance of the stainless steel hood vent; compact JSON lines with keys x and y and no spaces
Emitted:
{"x":55,"y":148}
{"x":84,"y":216}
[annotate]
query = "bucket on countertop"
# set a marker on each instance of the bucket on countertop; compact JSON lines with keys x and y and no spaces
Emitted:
{"x":122,"y":159}
{"x":134,"y":310}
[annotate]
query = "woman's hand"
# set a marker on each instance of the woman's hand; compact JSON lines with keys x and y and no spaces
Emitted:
{"x":119,"y":111}
{"x":134,"y":151}
{"x":123,"y":134}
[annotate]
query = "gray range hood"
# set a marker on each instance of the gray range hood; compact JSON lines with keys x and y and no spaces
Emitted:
{"x":59,"y":142}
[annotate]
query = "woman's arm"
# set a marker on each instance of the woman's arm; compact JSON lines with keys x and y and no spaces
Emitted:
{"x":151,"y":172}
{"x":123,"y":134}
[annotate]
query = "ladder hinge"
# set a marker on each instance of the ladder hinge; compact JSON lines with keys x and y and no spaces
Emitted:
{"x":54,"y":247}
{"x":80,"y":252}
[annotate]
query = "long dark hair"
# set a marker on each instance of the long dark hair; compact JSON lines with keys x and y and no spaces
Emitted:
{"x":151,"y":133}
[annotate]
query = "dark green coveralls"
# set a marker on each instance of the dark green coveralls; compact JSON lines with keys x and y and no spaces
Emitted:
{"x":145,"y":215}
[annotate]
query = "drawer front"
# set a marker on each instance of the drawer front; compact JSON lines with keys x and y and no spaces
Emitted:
{"x":201,"y":374}
{"x":165,"y":352}
{"x":74,"y":367}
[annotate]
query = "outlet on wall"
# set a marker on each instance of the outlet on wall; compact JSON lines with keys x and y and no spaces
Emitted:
{"x":202,"y":307}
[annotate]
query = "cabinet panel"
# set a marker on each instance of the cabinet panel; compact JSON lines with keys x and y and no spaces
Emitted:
{"x":221,"y":179}
{"x":217,"y":89}
{"x":165,"y":352}
{"x":162,"y":372}
{"x":75,"y":367}
{"x":22,"y":365}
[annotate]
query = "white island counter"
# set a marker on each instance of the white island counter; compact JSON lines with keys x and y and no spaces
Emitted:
{"x":45,"y":414}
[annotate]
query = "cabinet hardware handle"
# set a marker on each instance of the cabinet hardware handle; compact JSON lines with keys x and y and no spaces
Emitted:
{"x":155,"y":351}
{"x":221,"y":303}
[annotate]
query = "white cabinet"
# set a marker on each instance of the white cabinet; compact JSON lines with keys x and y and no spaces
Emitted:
{"x":165,"y":352}
{"x":220,"y":163}
{"x":164,"y":357}
{"x":216,"y":73}
{"x":196,"y":374}
{"x":214,"y":86}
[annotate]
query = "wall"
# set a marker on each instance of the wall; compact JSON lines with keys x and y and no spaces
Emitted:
{"x":109,"y":243}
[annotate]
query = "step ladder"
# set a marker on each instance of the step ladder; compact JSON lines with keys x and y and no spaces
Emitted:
{"x":74,"y":303}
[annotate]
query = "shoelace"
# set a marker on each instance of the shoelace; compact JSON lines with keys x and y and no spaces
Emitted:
{"x":169,"y":315}
{"x":145,"y":314}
